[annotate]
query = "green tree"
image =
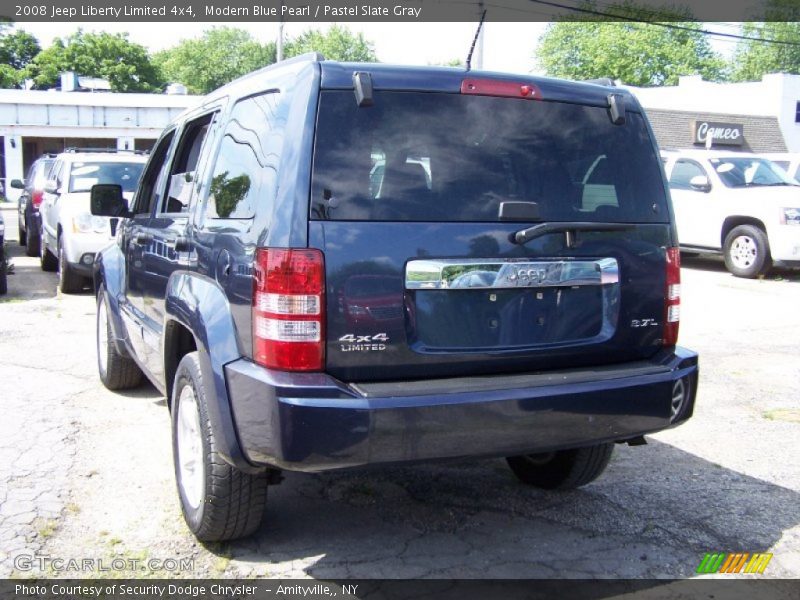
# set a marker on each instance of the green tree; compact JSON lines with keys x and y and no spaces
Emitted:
{"x":338,"y":43}
{"x":637,"y":53}
{"x":753,"y":59}
{"x":124,"y":64}
{"x":221,"y":55}
{"x":17,"y":50}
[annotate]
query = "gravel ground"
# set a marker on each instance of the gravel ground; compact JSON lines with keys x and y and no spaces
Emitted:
{"x":85,"y":472}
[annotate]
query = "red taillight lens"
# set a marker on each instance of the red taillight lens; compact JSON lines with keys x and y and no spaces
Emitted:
{"x":495,"y":87}
{"x":672,"y":297}
{"x":289,"y":309}
{"x":36,"y":198}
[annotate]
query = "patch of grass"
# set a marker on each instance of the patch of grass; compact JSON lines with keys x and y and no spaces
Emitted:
{"x":790,"y":415}
{"x":73,"y":508}
{"x":113,"y":541}
{"x":11,"y":300}
{"x":47,"y":528}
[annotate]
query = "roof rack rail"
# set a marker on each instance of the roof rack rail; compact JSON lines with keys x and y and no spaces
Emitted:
{"x":607,"y":81}
{"x":73,"y":149}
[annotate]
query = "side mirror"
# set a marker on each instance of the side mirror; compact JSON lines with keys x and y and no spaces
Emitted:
{"x":17,"y":184}
{"x":700,"y":183}
{"x":106,"y":201}
{"x":51,"y":187}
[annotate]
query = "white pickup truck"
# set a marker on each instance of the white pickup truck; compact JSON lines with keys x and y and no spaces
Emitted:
{"x":741,"y":205}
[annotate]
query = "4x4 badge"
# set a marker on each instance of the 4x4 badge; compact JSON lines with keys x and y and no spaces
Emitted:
{"x":363,"y":343}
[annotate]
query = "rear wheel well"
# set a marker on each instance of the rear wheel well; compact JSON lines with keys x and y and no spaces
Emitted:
{"x":178,"y":342}
{"x":732,"y":222}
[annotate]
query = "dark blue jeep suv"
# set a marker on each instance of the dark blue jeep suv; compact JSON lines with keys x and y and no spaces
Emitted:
{"x":332,"y":265}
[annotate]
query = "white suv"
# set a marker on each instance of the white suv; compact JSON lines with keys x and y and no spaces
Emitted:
{"x":71,"y":236}
{"x":741,"y":205}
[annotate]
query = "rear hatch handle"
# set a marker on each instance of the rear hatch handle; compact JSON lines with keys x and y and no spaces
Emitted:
{"x":569,"y":227}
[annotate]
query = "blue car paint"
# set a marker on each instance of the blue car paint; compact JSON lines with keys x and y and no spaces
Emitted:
{"x":320,"y":410}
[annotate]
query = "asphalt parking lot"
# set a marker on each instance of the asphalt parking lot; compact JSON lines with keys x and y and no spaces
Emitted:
{"x":87,"y":473}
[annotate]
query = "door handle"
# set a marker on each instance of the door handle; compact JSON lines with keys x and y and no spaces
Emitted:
{"x":143,"y":238}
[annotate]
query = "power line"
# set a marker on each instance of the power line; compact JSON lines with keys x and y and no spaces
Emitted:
{"x":665,"y":25}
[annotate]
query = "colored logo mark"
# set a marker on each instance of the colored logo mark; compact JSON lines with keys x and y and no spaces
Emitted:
{"x":736,"y":562}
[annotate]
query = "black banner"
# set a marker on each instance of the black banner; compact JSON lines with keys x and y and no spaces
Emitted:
{"x":383,"y":10}
{"x":464,"y":589}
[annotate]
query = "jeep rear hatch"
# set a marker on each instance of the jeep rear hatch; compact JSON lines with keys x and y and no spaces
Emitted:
{"x":418,"y":203}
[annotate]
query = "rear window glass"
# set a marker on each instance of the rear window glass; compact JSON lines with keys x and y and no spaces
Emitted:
{"x":86,"y":174}
{"x":448,"y":157}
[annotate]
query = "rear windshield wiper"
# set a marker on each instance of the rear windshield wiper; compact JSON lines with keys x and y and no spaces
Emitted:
{"x":526,"y":235}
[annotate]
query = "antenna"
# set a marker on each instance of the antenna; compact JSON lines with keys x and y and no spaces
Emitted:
{"x":474,"y":41}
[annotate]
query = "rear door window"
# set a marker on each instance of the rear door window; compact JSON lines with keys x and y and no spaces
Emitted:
{"x":683,"y":172}
{"x":450,"y":157}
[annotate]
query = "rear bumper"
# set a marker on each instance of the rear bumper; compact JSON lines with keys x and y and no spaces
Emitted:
{"x":311,"y":422}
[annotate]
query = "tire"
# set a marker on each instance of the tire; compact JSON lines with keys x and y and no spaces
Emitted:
{"x":47,"y":261}
{"x":69,"y":282}
{"x":219,"y":502}
{"x":747,"y":252}
{"x":564,"y":469}
{"x":33,"y":240}
{"x":3,"y":274}
{"x":117,"y":372}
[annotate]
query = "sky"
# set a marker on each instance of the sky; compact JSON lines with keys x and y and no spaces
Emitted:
{"x":508,"y":47}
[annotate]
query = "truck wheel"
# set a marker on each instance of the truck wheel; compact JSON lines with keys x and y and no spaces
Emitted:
{"x":747,"y":252}
{"x":219,"y":502}
{"x":46,"y":259}
{"x":564,"y":469}
{"x":3,"y":274}
{"x":33,"y":240}
{"x":117,"y":372}
{"x":69,"y":282}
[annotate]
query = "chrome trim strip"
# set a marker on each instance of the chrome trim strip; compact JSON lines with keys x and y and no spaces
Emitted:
{"x":508,"y":274}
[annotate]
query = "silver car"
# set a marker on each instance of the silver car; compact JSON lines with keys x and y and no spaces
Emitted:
{"x":71,"y":236}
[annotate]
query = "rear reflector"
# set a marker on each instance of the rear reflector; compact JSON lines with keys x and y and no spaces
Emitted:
{"x":288,"y":314}
{"x":36,"y":198}
{"x":672,"y":297}
{"x":505,"y":89}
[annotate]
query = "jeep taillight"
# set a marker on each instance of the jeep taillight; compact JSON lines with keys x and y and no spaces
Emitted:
{"x":36,"y":198}
{"x":289,"y":309}
{"x":672,"y":297}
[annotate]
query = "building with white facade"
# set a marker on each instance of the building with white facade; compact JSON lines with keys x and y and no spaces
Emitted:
{"x":757,"y":116}
{"x":36,"y":122}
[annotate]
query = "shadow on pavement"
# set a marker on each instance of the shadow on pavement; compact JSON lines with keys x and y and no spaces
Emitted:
{"x":655,"y":513}
{"x":715,"y":264}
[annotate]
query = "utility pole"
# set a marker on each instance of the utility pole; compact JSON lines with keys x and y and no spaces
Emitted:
{"x":279,"y":45}
{"x":479,"y":45}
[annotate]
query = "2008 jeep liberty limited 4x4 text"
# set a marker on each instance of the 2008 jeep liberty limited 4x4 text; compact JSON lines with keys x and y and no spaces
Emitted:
{"x":332,"y":265}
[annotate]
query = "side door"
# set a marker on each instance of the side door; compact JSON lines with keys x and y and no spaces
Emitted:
{"x":169,"y":245}
{"x":49,"y":212}
{"x":133,"y":240}
{"x":693,"y":206}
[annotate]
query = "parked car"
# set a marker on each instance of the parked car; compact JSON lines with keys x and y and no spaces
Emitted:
{"x":29,"y":201}
{"x":70,"y":235}
{"x":740,"y":205}
{"x":256,"y":225}
{"x":788,"y":161}
{"x":3,"y":274}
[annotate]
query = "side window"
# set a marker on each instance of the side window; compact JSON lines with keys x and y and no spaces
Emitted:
{"x":246,"y":168}
{"x":57,"y":173}
{"x":682,"y":174}
{"x":151,"y":186}
{"x":184,"y":166}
